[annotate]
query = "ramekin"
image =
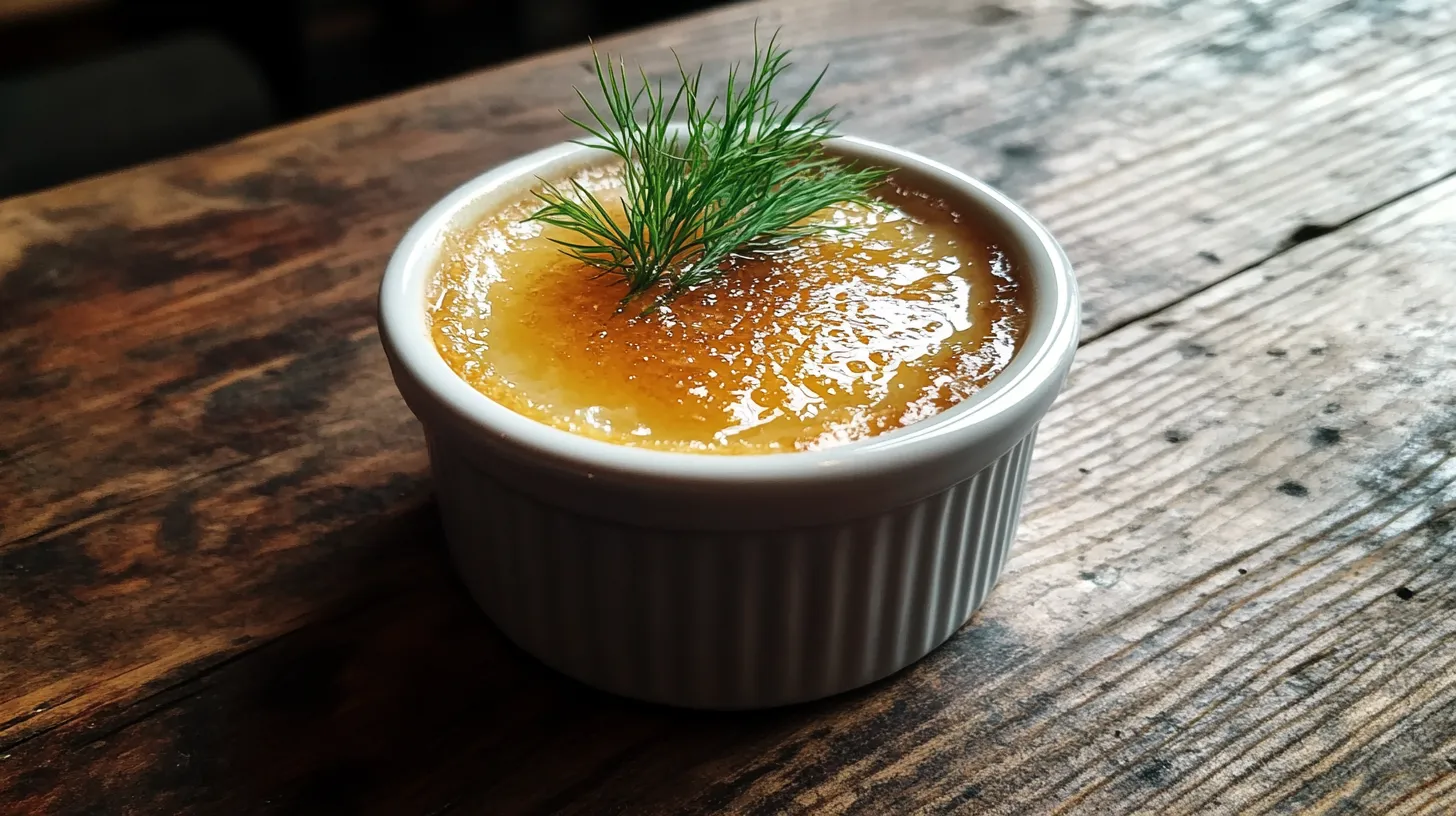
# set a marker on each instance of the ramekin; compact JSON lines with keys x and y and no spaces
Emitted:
{"x":729,"y":582}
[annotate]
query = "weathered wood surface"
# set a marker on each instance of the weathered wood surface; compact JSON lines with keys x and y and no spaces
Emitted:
{"x":221,"y":584}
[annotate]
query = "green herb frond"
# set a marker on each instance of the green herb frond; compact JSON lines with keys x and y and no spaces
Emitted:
{"x":738,"y":175}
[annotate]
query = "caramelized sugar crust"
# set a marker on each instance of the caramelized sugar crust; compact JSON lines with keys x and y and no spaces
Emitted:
{"x":902,"y":312}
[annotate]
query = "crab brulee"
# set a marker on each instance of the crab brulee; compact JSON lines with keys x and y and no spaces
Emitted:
{"x":900,"y":309}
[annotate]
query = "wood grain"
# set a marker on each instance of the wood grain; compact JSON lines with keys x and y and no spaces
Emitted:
{"x":221,"y":587}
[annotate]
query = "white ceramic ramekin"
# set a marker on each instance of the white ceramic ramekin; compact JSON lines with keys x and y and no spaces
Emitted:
{"x":729,"y":582}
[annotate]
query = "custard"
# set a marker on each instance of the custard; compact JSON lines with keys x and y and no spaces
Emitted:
{"x":899,"y":313}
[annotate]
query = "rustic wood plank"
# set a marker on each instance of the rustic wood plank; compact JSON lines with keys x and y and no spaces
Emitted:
{"x":114,"y":288}
{"x":1234,"y":594}
{"x":199,"y":335}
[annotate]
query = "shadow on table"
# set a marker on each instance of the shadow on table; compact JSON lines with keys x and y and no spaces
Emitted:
{"x":413,"y":701}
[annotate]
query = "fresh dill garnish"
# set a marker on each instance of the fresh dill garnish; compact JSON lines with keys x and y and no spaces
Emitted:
{"x":738,"y":175}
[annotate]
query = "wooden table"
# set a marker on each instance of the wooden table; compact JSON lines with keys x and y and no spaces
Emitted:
{"x":222,"y":587}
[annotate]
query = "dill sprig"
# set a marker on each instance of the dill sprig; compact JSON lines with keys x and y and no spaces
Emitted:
{"x":738,"y":175}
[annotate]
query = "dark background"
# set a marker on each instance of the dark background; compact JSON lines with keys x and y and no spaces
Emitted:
{"x":88,"y":86}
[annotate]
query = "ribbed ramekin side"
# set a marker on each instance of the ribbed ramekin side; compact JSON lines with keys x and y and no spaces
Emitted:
{"x":729,"y":619}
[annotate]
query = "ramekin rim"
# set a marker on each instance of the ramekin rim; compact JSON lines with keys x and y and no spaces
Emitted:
{"x":1039,"y":364}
